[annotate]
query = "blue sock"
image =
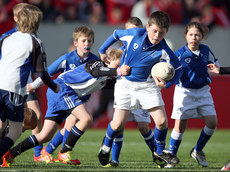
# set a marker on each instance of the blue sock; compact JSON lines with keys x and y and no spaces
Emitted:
{"x":205,"y":135}
{"x":116,"y":148}
{"x":66,"y":134}
{"x":54,"y":143}
{"x":160,"y":137}
{"x":175,"y":141}
{"x":37,"y":150}
{"x":5,"y":144}
{"x":110,"y":134}
{"x":150,"y":141}
{"x":174,"y":146}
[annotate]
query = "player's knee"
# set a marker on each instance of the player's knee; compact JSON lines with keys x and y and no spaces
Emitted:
{"x":162,"y":124}
{"x":143,"y":128}
{"x":43,"y":138}
{"x":211,"y":122}
{"x":117,"y":126}
{"x":212,"y":125}
{"x":88,"y":120}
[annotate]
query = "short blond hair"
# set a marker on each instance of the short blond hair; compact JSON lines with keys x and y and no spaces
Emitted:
{"x":29,"y":19}
{"x":114,"y":54}
{"x":83,"y":31}
{"x":18,"y":8}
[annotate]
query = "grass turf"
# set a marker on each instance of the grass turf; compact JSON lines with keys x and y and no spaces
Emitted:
{"x":135,"y":155}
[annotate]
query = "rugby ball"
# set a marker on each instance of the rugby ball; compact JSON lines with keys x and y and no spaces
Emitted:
{"x":163,"y":70}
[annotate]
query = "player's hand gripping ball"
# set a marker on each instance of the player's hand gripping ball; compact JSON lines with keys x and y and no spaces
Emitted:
{"x":163,"y":70}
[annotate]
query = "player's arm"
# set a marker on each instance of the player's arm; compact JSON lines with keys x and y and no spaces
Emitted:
{"x":217,"y":69}
{"x":177,"y":66}
{"x":117,"y":34}
{"x":107,"y":44}
{"x":39,"y":63}
{"x":224,"y":70}
{"x":97,"y":68}
{"x":56,"y":67}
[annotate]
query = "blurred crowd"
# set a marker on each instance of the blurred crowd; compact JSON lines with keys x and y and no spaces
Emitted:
{"x":116,"y":12}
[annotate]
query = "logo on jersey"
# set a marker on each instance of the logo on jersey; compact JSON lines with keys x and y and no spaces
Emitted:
{"x":104,"y":68}
{"x":135,"y":46}
{"x":72,"y":66}
{"x":187,"y":60}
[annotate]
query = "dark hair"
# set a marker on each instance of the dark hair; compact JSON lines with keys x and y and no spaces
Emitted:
{"x":202,"y":28}
{"x":135,"y":21}
{"x":159,"y":18}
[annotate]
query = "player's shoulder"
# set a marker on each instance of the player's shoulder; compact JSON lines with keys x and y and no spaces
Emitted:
{"x":204,"y":47}
{"x":69,"y":56}
{"x":132,"y":31}
{"x":137,"y":31}
{"x":181,"y":51}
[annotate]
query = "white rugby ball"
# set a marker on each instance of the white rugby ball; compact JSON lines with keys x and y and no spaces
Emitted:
{"x":163,"y":70}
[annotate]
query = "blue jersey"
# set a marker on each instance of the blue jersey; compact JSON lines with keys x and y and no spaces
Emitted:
{"x":141,"y":55}
{"x":195,"y":73}
{"x":68,"y":61}
{"x":8,"y":33}
{"x":75,"y":89}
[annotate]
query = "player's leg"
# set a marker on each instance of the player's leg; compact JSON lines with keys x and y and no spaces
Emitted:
{"x":207,"y":131}
{"x":207,"y":110}
{"x":115,"y":126}
{"x":69,"y":124}
{"x":13,"y":133}
{"x":61,"y":135}
{"x":85,"y":120}
{"x":115,"y":150}
{"x":48,"y":130}
{"x":11,"y":110}
{"x":177,"y":135}
{"x":205,"y":135}
{"x":3,"y":128}
{"x":148,"y":135}
{"x":161,"y":128}
{"x":33,"y":104}
{"x":142,"y":117}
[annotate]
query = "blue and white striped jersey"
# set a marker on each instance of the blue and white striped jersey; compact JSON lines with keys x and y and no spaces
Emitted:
{"x":82,"y":82}
{"x":21,"y":53}
{"x":195,"y":72}
{"x":68,"y":61}
{"x":141,"y":55}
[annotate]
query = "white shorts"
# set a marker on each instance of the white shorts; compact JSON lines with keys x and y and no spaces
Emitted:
{"x":128,"y":95}
{"x":192,"y":103}
{"x":139,"y":115}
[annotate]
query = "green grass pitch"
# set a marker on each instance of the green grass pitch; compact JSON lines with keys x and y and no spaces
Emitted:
{"x":135,"y":155}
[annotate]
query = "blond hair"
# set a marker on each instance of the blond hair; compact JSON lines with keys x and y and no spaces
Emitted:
{"x":114,"y":54}
{"x":83,"y":31}
{"x":29,"y":19}
{"x":133,"y":21}
{"x":18,"y":8}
